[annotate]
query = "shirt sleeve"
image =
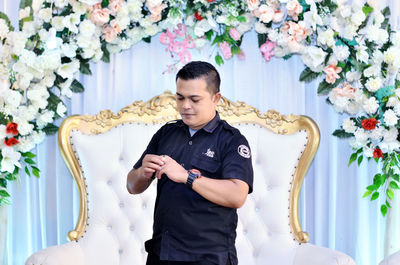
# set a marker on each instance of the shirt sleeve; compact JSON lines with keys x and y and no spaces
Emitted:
{"x":151,"y":148}
{"x":236,"y":162}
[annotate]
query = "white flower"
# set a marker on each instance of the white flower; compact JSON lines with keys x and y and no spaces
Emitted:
{"x":10,"y":159}
{"x":361,"y":136}
{"x":390,"y":118}
{"x":90,"y":2}
{"x":71,"y":21}
{"x":374,"y":70}
{"x":37,"y":5}
{"x":349,"y":125}
{"x":358,"y":17}
{"x":353,"y":76}
{"x":65,"y":88}
{"x":388,"y":147}
{"x":23,"y":13}
{"x":341,"y":52}
{"x":314,"y":57}
{"x":58,"y":23}
{"x":260,"y":28}
{"x":61,"y":109}
{"x":390,"y":135}
{"x":200,"y":42}
{"x":244,"y":27}
{"x":371,"y":105}
{"x":24,"y":127}
{"x":87,"y":28}
{"x":349,"y":32}
{"x":377,"y":35}
{"x":13,"y":97}
{"x":68,"y":70}
{"x":69,"y":50}
{"x":377,"y":57}
{"x":312,"y":18}
{"x":3,"y":29}
{"x":17,"y":41}
{"x":45,"y":14}
{"x":151,"y":30}
{"x":61,"y":3}
{"x":44,"y":118}
{"x":392,"y":102}
{"x":201,"y":27}
{"x":3,"y":133}
{"x":392,"y":56}
{"x":396,"y":39}
{"x":344,"y":11}
{"x":50,"y":60}
{"x":368,"y":151}
{"x":377,"y":133}
{"x":326,"y":37}
{"x":362,"y":54}
{"x":373,"y":84}
{"x":38,"y":96}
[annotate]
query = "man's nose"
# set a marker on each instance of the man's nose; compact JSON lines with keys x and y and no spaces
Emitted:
{"x":186,"y":104}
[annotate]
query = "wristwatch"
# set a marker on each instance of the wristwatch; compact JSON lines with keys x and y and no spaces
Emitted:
{"x":193,"y":174}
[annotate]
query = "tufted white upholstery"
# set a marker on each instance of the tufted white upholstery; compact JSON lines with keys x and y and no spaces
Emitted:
{"x":119,"y":223}
{"x":393,"y":259}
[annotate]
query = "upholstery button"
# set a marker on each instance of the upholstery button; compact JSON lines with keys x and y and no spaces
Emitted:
{"x":109,"y":227}
{"x":120,"y":251}
{"x":190,"y":142}
{"x":144,"y":206}
{"x":245,"y":231}
{"x":269,"y":187}
{"x":269,"y":234}
{"x":121,"y":158}
{"x":109,"y":183}
{"x":121,"y":205}
{"x":132,"y":228}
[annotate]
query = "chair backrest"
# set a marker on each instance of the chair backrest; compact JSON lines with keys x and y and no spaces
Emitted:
{"x":113,"y":225}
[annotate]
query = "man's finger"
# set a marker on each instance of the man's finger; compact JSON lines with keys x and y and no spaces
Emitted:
{"x":157,"y":160}
{"x":152,"y":166}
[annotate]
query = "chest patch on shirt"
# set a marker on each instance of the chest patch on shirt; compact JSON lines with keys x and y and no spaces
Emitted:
{"x":209,"y":153}
{"x":244,"y":151}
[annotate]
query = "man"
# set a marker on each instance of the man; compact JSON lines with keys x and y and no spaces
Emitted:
{"x":204,"y":171}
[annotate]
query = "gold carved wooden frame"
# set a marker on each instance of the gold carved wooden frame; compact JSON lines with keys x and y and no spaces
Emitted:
{"x":161,"y":109}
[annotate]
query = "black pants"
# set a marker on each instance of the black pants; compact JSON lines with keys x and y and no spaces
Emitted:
{"x":153,"y":259}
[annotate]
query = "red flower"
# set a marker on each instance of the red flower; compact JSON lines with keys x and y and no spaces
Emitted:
{"x":210,"y":1}
{"x":11,"y":141}
{"x":378,"y":153}
{"x":12,"y":128}
{"x":198,"y":16}
{"x":369,"y":124}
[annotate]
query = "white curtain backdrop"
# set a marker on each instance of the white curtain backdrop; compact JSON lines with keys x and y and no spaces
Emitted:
{"x":333,"y":211}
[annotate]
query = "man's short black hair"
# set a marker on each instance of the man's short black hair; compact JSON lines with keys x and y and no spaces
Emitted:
{"x":203,"y":70}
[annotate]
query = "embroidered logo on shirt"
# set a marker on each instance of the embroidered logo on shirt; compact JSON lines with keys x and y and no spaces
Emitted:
{"x":209,"y":153}
{"x":244,"y":151}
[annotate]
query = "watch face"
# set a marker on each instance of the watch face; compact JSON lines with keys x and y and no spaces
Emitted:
{"x":195,"y":171}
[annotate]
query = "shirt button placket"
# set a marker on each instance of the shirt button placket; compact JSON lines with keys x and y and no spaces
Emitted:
{"x":190,"y":142}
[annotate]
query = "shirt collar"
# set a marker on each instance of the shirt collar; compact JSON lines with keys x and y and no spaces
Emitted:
{"x":209,"y":127}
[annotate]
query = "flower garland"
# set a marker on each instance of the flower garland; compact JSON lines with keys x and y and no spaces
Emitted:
{"x":353,"y":48}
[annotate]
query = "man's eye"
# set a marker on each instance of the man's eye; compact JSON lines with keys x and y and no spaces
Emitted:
{"x":180,"y":98}
{"x":195,"y":101}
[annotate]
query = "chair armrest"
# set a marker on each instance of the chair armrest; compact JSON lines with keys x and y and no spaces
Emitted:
{"x":308,"y":254}
{"x":392,"y":259}
{"x":66,"y":254}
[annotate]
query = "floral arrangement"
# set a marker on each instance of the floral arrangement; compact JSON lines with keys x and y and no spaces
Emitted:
{"x":351,"y":49}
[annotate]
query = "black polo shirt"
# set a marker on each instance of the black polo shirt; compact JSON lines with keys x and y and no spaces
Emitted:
{"x":187,"y":227}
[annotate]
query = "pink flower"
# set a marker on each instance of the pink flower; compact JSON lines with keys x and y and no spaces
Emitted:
{"x":265,"y":13}
{"x":156,"y":12}
{"x":278,"y":16}
{"x":267,"y":50}
{"x":165,"y":38}
{"x":115,"y":5}
{"x":294,"y":9}
{"x":241,"y":55}
{"x":110,"y":32}
{"x":346,"y":91}
{"x":234,"y":34}
{"x":179,"y":47}
{"x":185,"y":57}
{"x":331,"y":72}
{"x":99,"y":16}
{"x":295,"y":29}
{"x":253,"y":4}
{"x":189,"y":42}
{"x":293,"y":44}
{"x":155,"y":17}
{"x":225,"y":49}
{"x":181,"y":30}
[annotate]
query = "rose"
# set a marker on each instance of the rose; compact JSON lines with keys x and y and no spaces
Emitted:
{"x":346,"y":91}
{"x":378,"y":153}
{"x":99,"y":16}
{"x":267,"y":50}
{"x":369,"y":124}
{"x":265,"y":13}
{"x":331,"y":72}
{"x":12,"y":128}
{"x":198,"y":16}
{"x":294,"y":9}
{"x":115,"y":5}
{"x":11,"y":141}
{"x":253,"y":4}
{"x":110,"y":32}
{"x":234,"y":34}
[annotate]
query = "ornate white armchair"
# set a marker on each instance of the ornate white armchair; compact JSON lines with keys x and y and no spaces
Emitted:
{"x":113,"y":225}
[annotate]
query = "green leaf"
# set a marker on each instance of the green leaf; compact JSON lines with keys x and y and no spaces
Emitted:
{"x":287,"y":56}
{"x":50,"y":129}
{"x":386,"y":12}
{"x":106,"y":54}
{"x":367,"y":193}
{"x":307,"y":75}
{"x":353,"y":157}
{"x":25,"y":3}
{"x":104,"y":3}
{"x":262,"y":38}
{"x":371,"y":188}
{"x":147,"y":39}
{"x":375,"y":196}
{"x":209,"y":35}
{"x":367,"y":9}
{"x":394,"y":185}
{"x":390,"y":194}
{"x":324,"y":87}
{"x":35,"y":168}
{"x":7,"y":20}
{"x":27,"y":171}
{"x":219,"y":60}
{"x":241,"y":19}
{"x":235,"y":49}
{"x":4,"y":193}
{"x":35,"y":172}
{"x":29,"y":161}
{"x":3,"y":183}
{"x":384,"y":209}
{"x":360,"y":159}
{"x":28,"y":154}
{"x":22,"y":21}
{"x":77,"y":87}
{"x":395,"y":177}
{"x":84,"y":67}
{"x":388,"y":204}
{"x":342,"y":134}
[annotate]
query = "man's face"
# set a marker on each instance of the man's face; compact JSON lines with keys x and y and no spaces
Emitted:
{"x":195,"y":103}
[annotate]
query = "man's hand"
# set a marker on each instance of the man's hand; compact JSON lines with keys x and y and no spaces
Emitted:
{"x":173,"y":170}
{"x":151,"y":164}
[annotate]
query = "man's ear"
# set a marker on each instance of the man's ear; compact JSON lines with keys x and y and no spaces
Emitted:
{"x":216,"y":98}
